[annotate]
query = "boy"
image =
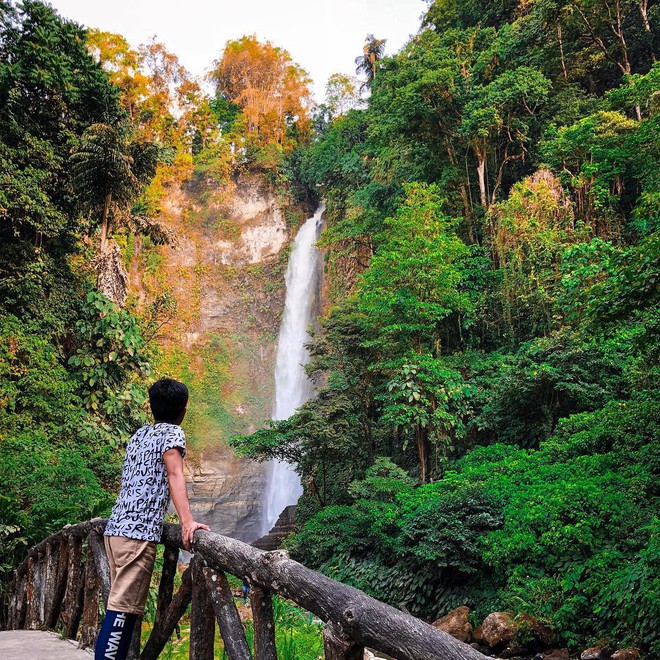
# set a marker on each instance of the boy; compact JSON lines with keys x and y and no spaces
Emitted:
{"x":152,"y":471}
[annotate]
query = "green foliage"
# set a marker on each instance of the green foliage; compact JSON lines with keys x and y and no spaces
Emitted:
{"x":412,"y":284}
{"x":110,"y":365}
{"x":382,"y":482}
{"x":546,"y":380}
{"x":50,"y":91}
{"x":514,"y":346}
{"x":72,"y":366}
{"x":492,"y":252}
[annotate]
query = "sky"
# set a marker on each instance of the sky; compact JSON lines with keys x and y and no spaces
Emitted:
{"x":324,"y":36}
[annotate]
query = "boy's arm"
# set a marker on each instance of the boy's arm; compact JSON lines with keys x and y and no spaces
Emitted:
{"x":174,"y":466}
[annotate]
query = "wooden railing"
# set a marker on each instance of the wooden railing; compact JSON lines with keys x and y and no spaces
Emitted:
{"x":64,"y":580}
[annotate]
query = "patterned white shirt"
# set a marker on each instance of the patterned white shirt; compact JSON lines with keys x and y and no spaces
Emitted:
{"x":145,"y":492}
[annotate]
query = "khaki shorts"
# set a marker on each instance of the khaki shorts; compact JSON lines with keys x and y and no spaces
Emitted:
{"x":131,"y":565}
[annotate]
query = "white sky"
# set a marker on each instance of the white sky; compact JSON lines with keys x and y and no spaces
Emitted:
{"x":323,"y":36}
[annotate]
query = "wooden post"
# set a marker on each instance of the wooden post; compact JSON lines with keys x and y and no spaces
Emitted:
{"x":202,"y":622}
{"x":97,"y":550}
{"x":40,"y":585}
{"x":90,"y":614}
{"x":73,"y":598}
{"x":229,"y":622}
{"x":166,"y":586}
{"x":17,"y":603}
{"x":163,"y":631}
{"x":337,"y":647}
{"x":264,"y":624}
{"x":50,"y":580}
{"x":31,"y":594}
{"x":59,"y":586}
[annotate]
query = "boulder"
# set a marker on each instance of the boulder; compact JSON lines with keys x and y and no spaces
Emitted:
{"x":594,"y":653}
{"x":498,"y":628}
{"x":556,"y":654}
{"x":625,"y":654}
{"x":543,"y":635}
{"x":456,"y":623}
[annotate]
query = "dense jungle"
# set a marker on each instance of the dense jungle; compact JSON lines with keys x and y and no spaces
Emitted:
{"x":485,"y":425}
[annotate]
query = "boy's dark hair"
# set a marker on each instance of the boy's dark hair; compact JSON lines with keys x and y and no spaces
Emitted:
{"x":168,"y":399}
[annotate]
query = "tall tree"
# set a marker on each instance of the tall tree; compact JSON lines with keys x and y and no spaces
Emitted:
{"x":50,"y":91}
{"x":110,"y":171}
{"x":372,"y":51}
{"x":342,"y":94}
{"x":271,"y":90}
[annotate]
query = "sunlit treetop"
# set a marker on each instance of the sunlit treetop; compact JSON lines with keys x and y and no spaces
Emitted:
{"x":272,"y":91}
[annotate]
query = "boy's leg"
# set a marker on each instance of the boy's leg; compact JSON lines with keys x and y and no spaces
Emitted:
{"x":115,"y":635}
{"x":131,"y":565}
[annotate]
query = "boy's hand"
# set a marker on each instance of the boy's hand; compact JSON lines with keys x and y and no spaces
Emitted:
{"x":188,"y":530}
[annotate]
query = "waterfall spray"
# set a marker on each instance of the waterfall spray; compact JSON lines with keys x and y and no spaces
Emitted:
{"x":292,"y":387}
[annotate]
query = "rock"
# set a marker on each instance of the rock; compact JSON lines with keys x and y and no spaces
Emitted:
{"x":284,"y":526}
{"x":368,"y":655}
{"x":556,"y":654}
{"x":456,"y":623}
{"x":225,"y":493}
{"x":478,"y":635}
{"x":625,"y":654}
{"x":543,"y":635}
{"x":498,"y":628}
{"x":594,"y":653}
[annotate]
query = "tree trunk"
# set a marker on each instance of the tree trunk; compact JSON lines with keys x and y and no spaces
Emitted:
{"x":104,"y":221}
{"x":481,"y":173}
{"x":422,"y":452}
{"x":560,"y":39}
{"x":463,"y":188}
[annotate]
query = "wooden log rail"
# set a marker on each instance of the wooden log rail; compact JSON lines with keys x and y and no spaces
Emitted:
{"x":64,"y":581}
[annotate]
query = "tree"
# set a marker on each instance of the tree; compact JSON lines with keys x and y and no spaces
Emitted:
{"x":412,"y":286}
{"x":502,"y":111}
{"x":342,"y":94}
{"x":110,"y":171}
{"x":425,"y":400}
{"x":123,"y":65}
{"x":51,"y":90}
{"x":271,"y":90}
{"x":529,"y":232}
{"x":593,"y":158}
{"x":372,"y":51}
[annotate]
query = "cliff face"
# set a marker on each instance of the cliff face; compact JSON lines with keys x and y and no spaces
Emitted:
{"x":226,"y":274}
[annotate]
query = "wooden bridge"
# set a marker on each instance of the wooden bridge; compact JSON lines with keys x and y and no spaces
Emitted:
{"x":64,"y":580}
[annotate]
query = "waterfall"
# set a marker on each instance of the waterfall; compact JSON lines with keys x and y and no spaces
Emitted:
{"x":292,"y":387}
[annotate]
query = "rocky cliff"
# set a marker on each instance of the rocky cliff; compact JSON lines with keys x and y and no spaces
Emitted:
{"x":226,"y":273}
